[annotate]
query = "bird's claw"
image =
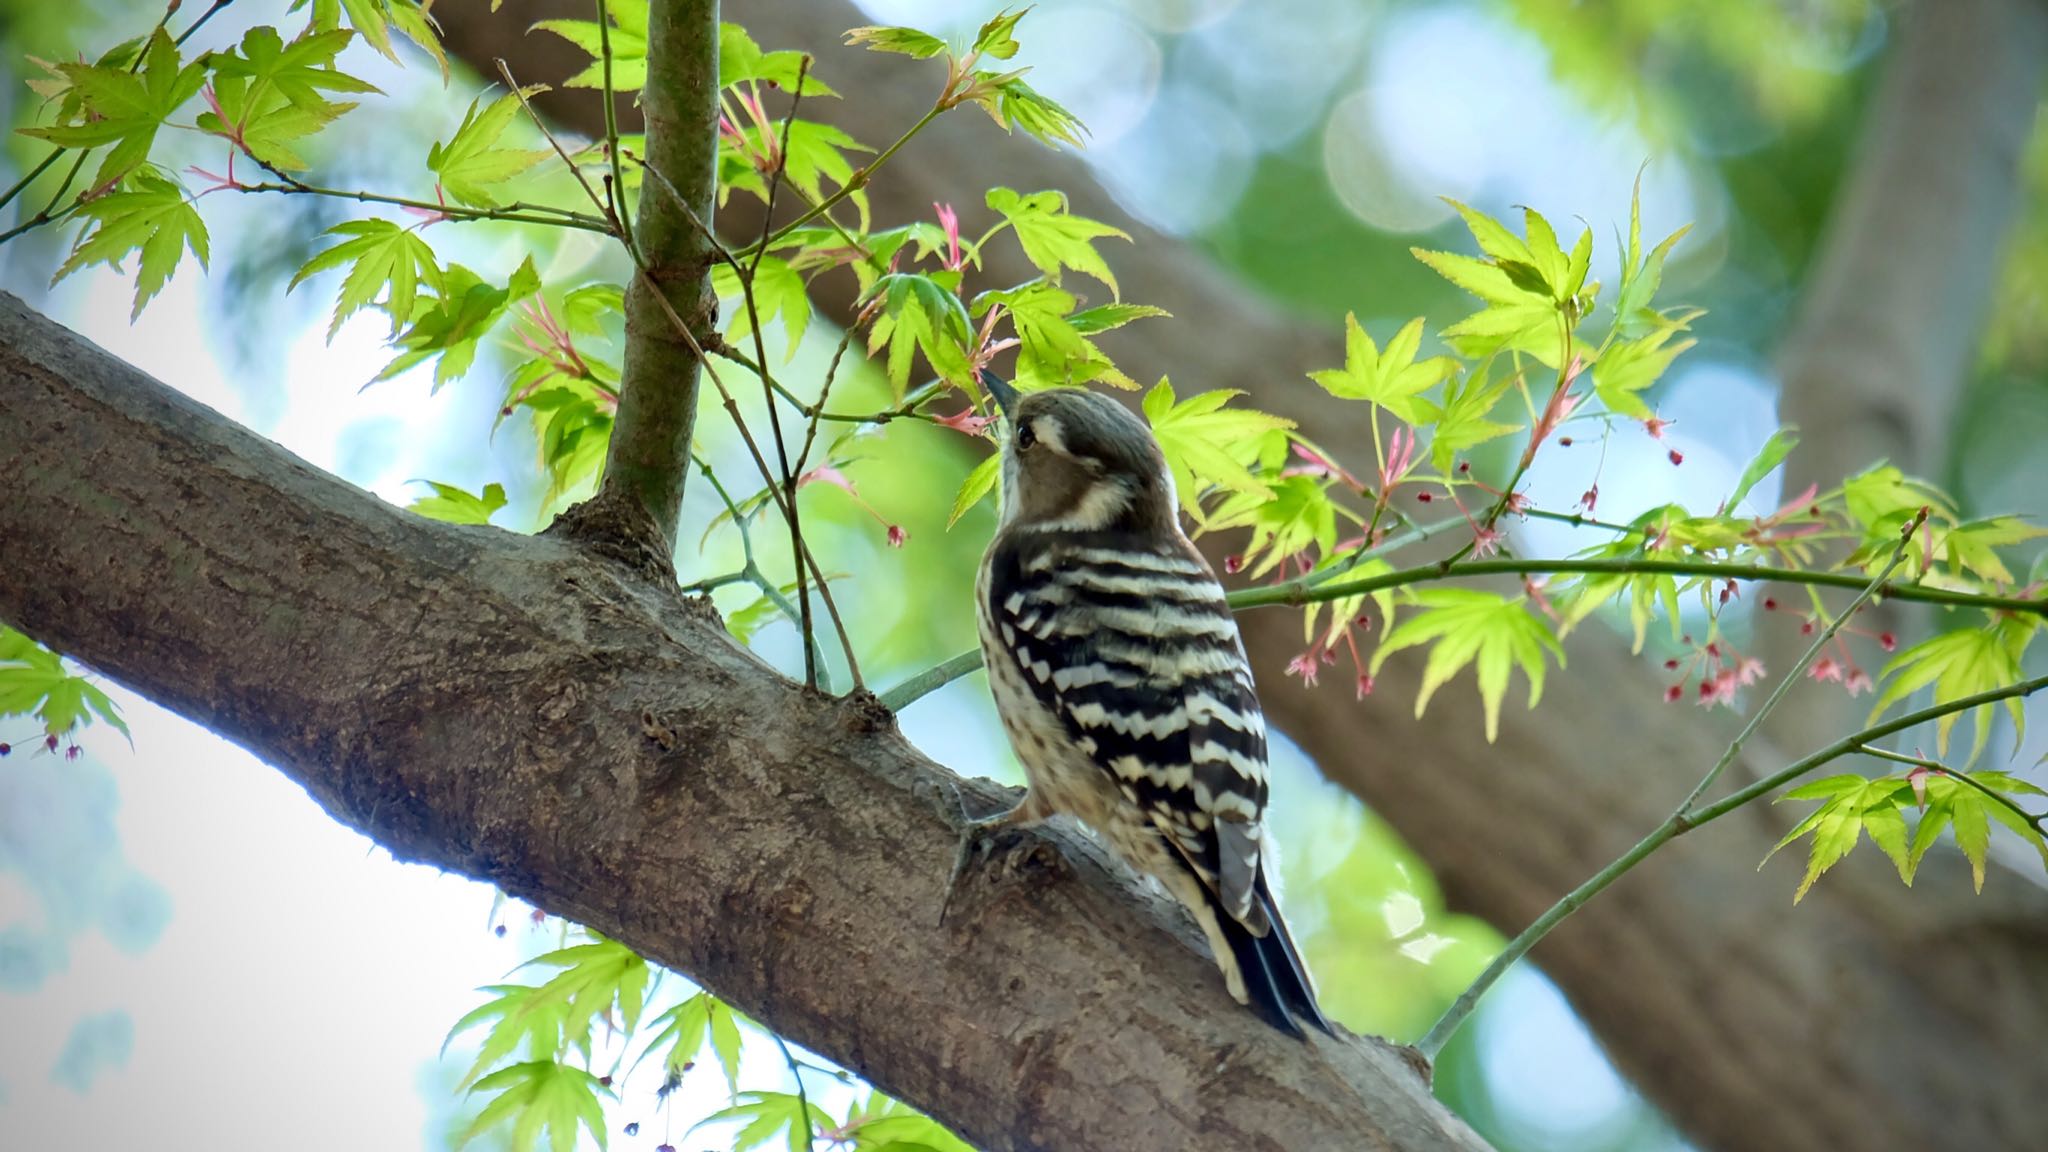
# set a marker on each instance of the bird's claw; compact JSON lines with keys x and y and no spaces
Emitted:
{"x":974,"y":840}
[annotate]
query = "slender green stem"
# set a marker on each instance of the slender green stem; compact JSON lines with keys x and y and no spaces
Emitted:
{"x":1674,"y":825}
{"x":1292,"y":594}
{"x":1579,"y":521}
{"x":8,"y":196}
{"x":904,"y":693}
{"x":747,"y":277}
{"x":514,"y":214}
{"x":752,"y":570}
{"x":853,"y":184}
{"x":616,"y":201}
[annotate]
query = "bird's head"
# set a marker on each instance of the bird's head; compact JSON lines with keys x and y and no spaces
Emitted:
{"x":1079,"y":461}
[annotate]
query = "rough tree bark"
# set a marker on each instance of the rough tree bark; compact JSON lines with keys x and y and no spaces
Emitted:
{"x":565,"y":724}
{"x":1871,"y":1017}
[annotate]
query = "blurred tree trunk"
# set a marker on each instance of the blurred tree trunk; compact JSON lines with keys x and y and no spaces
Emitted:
{"x":1872,"y":1017}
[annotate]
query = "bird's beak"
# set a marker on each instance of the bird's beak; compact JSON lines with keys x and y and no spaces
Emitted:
{"x":999,"y":388}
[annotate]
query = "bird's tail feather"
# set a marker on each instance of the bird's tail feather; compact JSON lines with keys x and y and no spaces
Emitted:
{"x":1275,"y":979}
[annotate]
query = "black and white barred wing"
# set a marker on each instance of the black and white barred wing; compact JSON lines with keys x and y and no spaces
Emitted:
{"x":1135,"y":650}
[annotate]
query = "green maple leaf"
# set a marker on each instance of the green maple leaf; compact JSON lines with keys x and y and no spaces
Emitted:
{"x":1294,"y":515}
{"x":816,"y":153}
{"x":1053,"y":350}
{"x":1464,"y":420}
{"x":1959,"y":664}
{"x":1533,"y":290}
{"x":124,"y":109}
{"x":1466,"y":626}
{"x":628,"y":40}
{"x":269,"y":94}
{"x":903,"y":41}
{"x":300,"y":71}
{"x":149,"y":216}
{"x":521,"y":1017}
{"x":376,"y":20}
{"x":741,"y":61}
{"x":1207,"y":444}
{"x":1395,"y":379}
{"x":382,"y":258}
{"x":450,"y":328}
{"x":537,"y":1096}
{"x":1018,"y":107}
{"x":1854,"y":806}
{"x":921,"y":313}
{"x":1053,"y":238}
{"x":1628,"y":367}
{"x":1641,"y":275}
{"x":998,"y":38}
{"x":593,"y":978}
{"x":1972,"y":546}
{"x":1767,"y":459}
{"x":768,"y":1115}
{"x":778,"y":291}
{"x":684,"y":1029}
{"x":472,"y":160}
{"x":452,"y":505}
{"x":981,"y":481}
{"x":34,"y":682}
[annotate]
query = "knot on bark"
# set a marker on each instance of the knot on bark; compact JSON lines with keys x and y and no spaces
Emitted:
{"x":615,"y":526}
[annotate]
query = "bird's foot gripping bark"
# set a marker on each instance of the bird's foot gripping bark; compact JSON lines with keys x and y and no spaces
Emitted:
{"x":978,"y":841}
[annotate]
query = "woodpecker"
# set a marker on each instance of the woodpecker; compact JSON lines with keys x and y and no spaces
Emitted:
{"x":1122,"y":683}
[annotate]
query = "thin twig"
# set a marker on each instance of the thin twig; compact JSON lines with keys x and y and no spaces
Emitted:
{"x":602,"y":204}
{"x":796,"y":530}
{"x":761,"y":462}
{"x":855,"y":182}
{"x":752,"y":570}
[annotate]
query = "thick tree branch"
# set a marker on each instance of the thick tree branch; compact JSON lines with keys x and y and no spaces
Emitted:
{"x":649,"y":457}
{"x":577,"y":732}
{"x":1873,"y":1017}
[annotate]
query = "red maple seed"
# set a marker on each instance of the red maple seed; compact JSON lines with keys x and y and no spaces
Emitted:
{"x":5,"y":749}
{"x":1672,"y":693}
{"x":1770,"y":603}
{"x":1887,"y":641}
{"x":1564,"y":441}
{"x":1423,"y":497}
{"x":1677,"y":457}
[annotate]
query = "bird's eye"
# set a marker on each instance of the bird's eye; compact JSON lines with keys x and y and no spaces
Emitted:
{"x":1026,"y":437}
